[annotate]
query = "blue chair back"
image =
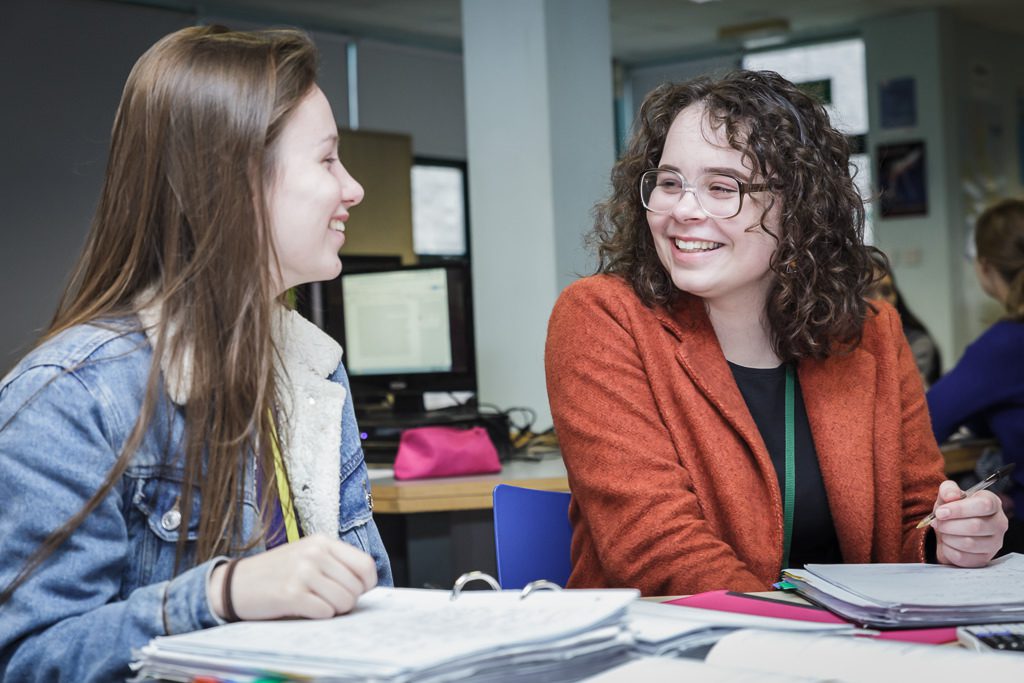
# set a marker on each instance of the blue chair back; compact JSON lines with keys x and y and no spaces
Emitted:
{"x":532,"y":535}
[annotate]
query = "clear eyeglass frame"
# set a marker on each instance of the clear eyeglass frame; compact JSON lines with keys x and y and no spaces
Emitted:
{"x":651,"y":176}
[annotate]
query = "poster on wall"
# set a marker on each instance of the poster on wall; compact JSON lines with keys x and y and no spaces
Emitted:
{"x":901,"y":179}
{"x":897,"y":103}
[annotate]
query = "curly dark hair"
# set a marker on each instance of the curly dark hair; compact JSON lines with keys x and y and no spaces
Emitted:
{"x":816,"y":305}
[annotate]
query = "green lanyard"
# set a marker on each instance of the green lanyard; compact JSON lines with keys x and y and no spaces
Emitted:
{"x":790,"y":483}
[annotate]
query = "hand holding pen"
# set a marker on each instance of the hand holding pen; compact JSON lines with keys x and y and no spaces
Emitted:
{"x":969,"y":525}
{"x":980,"y":486}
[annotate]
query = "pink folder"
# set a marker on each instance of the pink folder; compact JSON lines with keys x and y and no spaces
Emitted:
{"x":727,"y":601}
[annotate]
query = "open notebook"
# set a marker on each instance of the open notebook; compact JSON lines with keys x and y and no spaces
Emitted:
{"x":402,"y":634}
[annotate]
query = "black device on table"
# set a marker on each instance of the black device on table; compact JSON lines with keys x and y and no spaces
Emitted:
{"x":992,"y":637}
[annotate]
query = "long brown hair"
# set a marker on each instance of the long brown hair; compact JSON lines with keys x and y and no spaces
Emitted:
{"x":816,"y":304}
{"x":999,"y":240}
{"x":182,"y":224}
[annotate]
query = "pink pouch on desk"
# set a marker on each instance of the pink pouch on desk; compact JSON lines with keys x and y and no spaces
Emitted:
{"x":425,"y":452}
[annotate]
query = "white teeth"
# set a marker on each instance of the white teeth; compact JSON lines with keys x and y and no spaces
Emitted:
{"x":337,"y":224}
{"x":690,"y":245}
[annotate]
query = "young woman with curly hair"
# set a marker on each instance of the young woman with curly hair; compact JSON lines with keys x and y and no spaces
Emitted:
{"x":180,"y":449}
{"x":727,"y":402}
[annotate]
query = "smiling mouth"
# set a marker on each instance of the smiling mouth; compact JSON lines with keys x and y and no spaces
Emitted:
{"x":693,"y":246}
{"x":337,"y":224}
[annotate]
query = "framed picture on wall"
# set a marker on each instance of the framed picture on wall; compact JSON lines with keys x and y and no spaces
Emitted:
{"x":897,"y":103}
{"x":901,"y":179}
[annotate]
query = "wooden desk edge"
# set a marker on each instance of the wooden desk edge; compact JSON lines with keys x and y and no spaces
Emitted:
{"x":450,"y":494}
{"x":960,"y":457}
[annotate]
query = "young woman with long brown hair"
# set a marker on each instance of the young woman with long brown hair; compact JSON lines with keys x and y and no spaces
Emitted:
{"x":726,"y":402}
{"x":180,"y":449}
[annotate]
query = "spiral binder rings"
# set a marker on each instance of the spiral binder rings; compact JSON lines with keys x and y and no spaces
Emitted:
{"x":408,"y":634}
{"x":540,"y":584}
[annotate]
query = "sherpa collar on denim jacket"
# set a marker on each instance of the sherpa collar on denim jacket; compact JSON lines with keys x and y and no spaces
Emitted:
{"x":309,"y":410}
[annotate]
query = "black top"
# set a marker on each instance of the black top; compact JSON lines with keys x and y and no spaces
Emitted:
{"x":814,"y":533}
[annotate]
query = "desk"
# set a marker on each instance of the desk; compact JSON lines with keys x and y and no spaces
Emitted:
{"x":962,"y":455}
{"x":436,"y":529}
{"x":448,"y":494}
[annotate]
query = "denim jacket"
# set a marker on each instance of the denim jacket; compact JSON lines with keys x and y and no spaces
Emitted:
{"x":66,"y":411}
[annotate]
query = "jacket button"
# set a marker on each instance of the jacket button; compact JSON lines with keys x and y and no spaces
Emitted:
{"x":171,"y":520}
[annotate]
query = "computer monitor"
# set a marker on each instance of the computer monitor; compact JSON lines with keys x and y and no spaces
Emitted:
{"x":406,"y":331}
{"x":439,"y":208}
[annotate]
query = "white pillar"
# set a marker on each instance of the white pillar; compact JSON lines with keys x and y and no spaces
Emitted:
{"x":540,"y":139}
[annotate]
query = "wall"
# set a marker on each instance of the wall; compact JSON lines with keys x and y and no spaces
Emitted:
{"x":63,"y":64}
{"x":415,"y":91}
{"x":920,"y":247}
{"x":640,"y":80}
{"x":67,"y":61}
{"x":987,"y":118}
{"x":969,"y":106}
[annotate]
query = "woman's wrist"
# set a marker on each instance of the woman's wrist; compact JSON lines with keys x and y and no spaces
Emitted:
{"x":226,"y":603}
{"x":215,"y":589}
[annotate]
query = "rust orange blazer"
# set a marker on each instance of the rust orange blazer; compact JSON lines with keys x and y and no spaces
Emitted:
{"x":673,"y":489}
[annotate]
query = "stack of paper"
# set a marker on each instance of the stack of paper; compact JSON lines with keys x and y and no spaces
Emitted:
{"x":401,"y":634}
{"x":900,"y":595}
{"x":786,"y":609}
{"x":667,"y":629}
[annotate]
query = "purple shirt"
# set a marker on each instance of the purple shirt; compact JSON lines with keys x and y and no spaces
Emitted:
{"x":985,"y":392}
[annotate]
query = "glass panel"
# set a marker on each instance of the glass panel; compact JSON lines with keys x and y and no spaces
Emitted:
{"x":834,"y":72}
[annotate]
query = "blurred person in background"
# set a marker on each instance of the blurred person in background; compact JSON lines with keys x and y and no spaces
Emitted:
{"x":926,"y":352}
{"x":985,"y":391}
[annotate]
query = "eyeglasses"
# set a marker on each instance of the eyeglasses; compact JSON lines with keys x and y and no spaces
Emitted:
{"x":719,"y":196}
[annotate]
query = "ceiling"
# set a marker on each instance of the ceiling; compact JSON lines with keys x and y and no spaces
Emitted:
{"x":642,"y":30}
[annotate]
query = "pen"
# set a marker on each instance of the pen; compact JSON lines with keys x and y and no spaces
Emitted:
{"x":980,"y":486}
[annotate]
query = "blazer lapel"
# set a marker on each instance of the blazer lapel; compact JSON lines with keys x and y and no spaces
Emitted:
{"x":839,"y":394}
{"x":700,"y":355}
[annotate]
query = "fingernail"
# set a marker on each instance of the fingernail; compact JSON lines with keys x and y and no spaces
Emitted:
{"x":942,"y":513}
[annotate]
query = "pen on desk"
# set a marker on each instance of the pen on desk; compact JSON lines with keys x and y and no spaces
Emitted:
{"x":980,"y":486}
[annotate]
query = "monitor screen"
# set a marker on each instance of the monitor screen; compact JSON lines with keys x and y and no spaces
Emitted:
{"x":407,"y":330}
{"x":397,"y":322}
{"x":439,"y":208}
